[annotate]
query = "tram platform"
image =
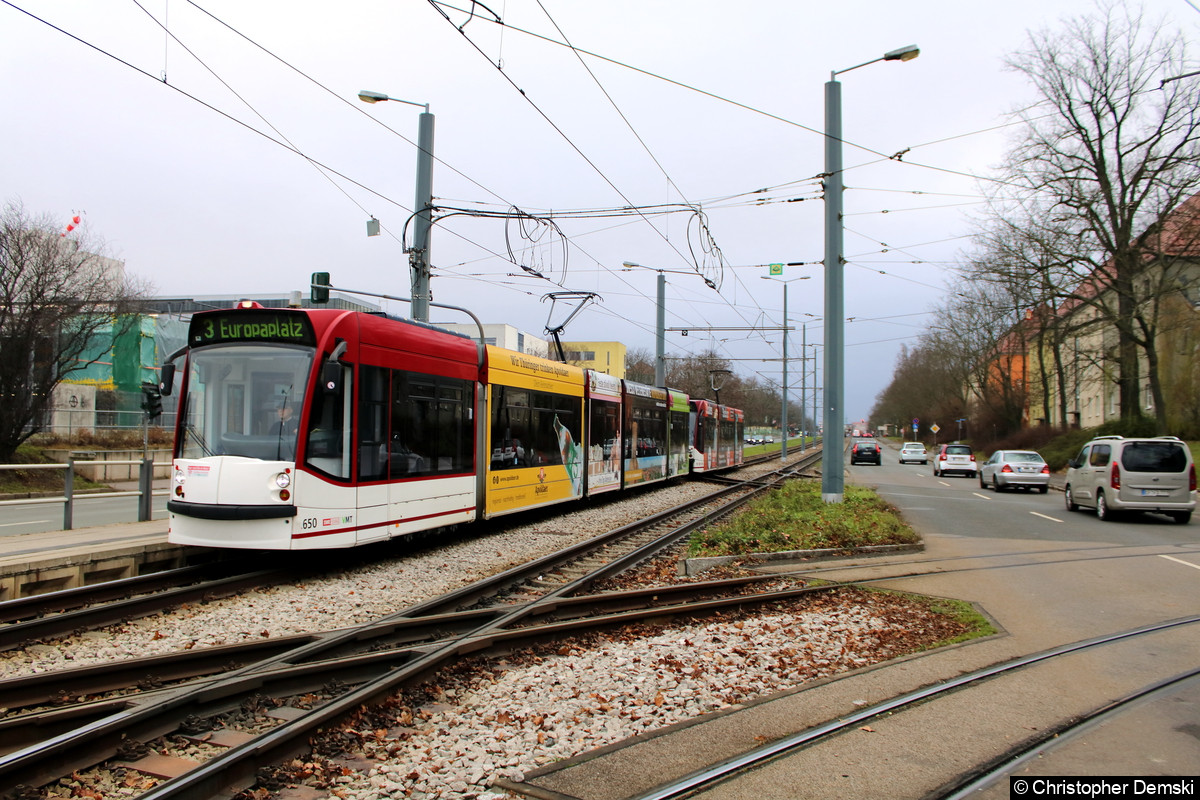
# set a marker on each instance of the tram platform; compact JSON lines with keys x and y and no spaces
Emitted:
{"x":36,"y":563}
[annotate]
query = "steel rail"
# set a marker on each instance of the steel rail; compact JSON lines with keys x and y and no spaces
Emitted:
{"x":94,"y":742}
{"x":238,"y":766}
{"x":311,"y":677}
{"x":38,"y":605}
{"x":19,"y":633}
{"x":717,"y":772}
{"x":1055,"y":737}
{"x":50,"y":687}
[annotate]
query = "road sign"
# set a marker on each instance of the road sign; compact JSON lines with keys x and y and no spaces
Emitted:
{"x":934,"y":427}
{"x":916,"y":422}
{"x":776,"y":269}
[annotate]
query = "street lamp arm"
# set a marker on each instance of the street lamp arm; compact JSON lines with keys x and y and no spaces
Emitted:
{"x":907,"y":53}
{"x":379,"y":97}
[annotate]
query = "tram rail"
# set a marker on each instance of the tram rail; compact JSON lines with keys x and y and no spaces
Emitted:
{"x":95,"y":740}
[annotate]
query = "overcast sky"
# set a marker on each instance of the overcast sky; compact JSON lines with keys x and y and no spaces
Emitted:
{"x":175,"y":148}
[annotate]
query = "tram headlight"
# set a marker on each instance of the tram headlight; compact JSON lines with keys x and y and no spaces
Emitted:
{"x":179,"y":477}
{"x":283,"y":480}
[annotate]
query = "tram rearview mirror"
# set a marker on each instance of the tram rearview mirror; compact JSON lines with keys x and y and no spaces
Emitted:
{"x":331,"y":377}
{"x":166,"y":379}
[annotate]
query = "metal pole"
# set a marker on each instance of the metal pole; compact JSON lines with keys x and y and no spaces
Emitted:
{"x":146,"y":487}
{"x":660,"y":359}
{"x":803,"y":375}
{"x":783,"y":450}
{"x":420,"y":260}
{"x":815,"y":397}
{"x":69,"y":493}
{"x":833,"y":454}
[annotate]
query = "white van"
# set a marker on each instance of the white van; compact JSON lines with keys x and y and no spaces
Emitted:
{"x":1113,"y":474}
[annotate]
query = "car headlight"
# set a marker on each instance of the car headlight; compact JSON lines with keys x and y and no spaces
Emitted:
{"x":283,"y":480}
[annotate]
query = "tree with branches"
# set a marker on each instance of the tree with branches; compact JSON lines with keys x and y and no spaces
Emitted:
{"x":1108,"y":161}
{"x":57,"y":296}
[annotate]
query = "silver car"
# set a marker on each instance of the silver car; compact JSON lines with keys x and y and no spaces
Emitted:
{"x":914,"y":452}
{"x":1013,"y":469}
{"x":1113,"y":474}
{"x":954,"y":458}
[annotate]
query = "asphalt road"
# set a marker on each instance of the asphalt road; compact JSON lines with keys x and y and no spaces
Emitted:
{"x":1047,"y":578}
{"x":955,"y":505}
{"x":88,"y":512}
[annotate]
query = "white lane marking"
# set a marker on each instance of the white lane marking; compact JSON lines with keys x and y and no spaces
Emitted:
{"x":29,"y":522}
{"x":984,"y":496}
{"x":1043,"y":516}
{"x":1181,"y":561}
{"x":943,"y":483}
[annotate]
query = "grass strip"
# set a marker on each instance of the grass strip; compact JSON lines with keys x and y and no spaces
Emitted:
{"x":794,"y":517}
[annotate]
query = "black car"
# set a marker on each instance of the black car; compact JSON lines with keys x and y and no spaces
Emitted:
{"x":866,"y":451}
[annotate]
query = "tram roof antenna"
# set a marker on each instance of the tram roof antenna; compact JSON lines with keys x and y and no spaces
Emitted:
{"x":554,"y":330}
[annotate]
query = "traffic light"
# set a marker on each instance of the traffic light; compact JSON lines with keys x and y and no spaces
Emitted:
{"x":320,"y":287}
{"x":151,"y":400}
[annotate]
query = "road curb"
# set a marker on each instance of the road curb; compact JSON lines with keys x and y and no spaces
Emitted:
{"x":694,"y":566}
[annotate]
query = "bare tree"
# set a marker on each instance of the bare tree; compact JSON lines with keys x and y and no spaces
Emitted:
{"x":987,"y":334}
{"x":1110,"y":151}
{"x":639,"y":365}
{"x":1018,"y":259}
{"x":56,"y":297}
{"x":929,"y":383}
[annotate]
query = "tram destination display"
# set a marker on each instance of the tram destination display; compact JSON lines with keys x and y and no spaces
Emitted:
{"x":267,"y":325}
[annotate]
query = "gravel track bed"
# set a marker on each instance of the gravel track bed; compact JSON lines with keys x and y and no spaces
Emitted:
{"x":484,"y":720}
{"x":487,"y":720}
{"x":343,"y":599}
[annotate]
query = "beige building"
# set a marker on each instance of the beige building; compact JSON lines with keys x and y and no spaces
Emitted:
{"x":1079,"y":372}
{"x":500,"y":335}
{"x":601,"y":356}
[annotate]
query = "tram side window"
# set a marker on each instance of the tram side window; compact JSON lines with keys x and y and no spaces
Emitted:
{"x":679,"y":429}
{"x":532,"y":430}
{"x":328,"y":433}
{"x":510,"y":428}
{"x":430,"y":425}
{"x":372,"y":423}
{"x":727,"y":432}
{"x":604,"y":425}
{"x":454,"y":428}
{"x":647,"y":434}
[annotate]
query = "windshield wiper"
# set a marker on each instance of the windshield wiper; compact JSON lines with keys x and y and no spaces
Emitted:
{"x":194,"y":434}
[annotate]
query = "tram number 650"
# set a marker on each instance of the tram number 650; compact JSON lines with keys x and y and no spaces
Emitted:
{"x":308,"y":524}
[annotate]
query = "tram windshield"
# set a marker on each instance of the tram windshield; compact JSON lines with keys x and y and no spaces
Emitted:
{"x":244,"y":400}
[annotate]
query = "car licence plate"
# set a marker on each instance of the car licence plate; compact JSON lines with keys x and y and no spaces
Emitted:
{"x":1154,"y":493}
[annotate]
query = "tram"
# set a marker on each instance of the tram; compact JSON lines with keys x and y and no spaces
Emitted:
{"x":322,"y":428}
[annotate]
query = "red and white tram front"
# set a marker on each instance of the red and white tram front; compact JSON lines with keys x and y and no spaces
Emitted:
{"x":242,"y":399}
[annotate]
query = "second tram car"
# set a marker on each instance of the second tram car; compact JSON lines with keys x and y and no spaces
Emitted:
{"x":321,"y":428}
{"x":716,"y":436}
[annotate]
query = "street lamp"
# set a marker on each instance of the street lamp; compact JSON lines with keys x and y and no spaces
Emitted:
{"x":418,"y":260}
{"x":784,"y":414}
{"x":833,"y":457}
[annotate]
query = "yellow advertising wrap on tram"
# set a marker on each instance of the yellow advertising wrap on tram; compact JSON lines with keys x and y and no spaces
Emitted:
{"x":534,"y":431}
